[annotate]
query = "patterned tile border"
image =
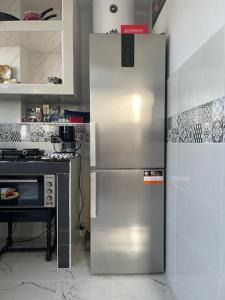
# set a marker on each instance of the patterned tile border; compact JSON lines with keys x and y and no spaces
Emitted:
{"x":16,"y":133}
{"x":202,"y":124}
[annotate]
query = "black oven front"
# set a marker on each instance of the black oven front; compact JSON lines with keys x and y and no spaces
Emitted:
{"x":28,"y":191}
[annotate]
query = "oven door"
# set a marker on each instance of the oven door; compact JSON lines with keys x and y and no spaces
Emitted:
{"x":22,"y":191}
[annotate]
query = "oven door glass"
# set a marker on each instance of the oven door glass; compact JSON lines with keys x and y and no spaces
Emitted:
{"x":22,"y":191}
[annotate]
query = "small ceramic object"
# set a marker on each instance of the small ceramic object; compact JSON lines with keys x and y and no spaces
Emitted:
{"x":5,"y":72}
{"x":10,"y":81}
{"x":34,"y":16}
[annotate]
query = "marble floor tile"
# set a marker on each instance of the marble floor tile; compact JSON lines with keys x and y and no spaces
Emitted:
{"x":28,"y":276}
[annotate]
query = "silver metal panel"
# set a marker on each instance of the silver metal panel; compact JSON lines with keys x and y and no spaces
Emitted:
{"x":93,"y":144}
{"x":93,"y":195}
{"x":128,"y":104}
{"x":128,"y":232}
{"x":49,"y":191}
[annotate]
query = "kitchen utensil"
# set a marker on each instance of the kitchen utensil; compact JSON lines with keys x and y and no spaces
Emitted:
{"x":54,"y":80}
{"x":7,"y":17}
{"x":34,"y":16}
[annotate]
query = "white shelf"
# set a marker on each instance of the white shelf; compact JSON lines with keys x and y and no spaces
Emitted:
{"x":18,"y":26}
{"x":41,"y":89}
{"x":53,"y":43}
{"x":38,"y":41}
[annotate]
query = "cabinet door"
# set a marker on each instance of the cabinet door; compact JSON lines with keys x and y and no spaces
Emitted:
{"x":128,"y":104}
{"x":127,"y":227}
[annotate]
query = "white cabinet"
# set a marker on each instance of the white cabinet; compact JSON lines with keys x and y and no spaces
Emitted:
{"x":35,"y":49}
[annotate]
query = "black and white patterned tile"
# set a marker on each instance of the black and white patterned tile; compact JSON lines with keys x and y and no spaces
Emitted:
{"x":15,"y":133}
{"x":218,"y":109}
{"x":207,"y":133}
{"x":35,"y":133}
{"x":202,"y":124}
{"x":217,"y":132}
{"x":15,"y":137}
{"x":198,"y":133}
{"x":25,"y":133}
{"x":6,"y":130}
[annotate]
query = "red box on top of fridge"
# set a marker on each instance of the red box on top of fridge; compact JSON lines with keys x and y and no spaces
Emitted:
{"x":135,"y":29}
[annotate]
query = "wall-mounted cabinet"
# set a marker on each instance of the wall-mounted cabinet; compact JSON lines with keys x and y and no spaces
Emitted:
{"x":36,"y":49}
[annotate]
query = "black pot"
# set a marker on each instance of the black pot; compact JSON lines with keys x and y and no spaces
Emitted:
{"x":7,"y":17}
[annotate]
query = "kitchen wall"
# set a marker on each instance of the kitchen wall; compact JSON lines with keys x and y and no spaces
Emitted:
{"x":195,"y":221}
{"x":10,"y":108}
{"x":189,"y":25}
{"x":86,"y":29}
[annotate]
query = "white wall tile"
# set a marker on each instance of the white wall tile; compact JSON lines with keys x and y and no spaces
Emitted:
{"x":172,"y":95}
{"x":193,"y":277}
{"x":201,"y":78}
{"x":200,"y":227}
{"x":172,"y":156}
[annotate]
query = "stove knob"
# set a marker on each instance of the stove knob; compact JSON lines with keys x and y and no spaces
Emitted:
{"x":49,"y":191}
{"x":49,"y":198}
{"x":49,"y":184}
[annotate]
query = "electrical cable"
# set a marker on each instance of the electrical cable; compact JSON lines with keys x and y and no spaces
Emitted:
{"x":31,"y":239}
{"x":56,"y":151}
{"x":14,"y":228}
{"x":78,"y":155}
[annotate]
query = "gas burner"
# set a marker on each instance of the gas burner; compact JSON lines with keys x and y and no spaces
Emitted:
{"x":59,"y":156}
{"x":25,"y":154}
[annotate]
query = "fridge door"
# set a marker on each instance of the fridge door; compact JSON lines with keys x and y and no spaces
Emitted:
{"x":127,"y":104}
{"x":127,"y":225}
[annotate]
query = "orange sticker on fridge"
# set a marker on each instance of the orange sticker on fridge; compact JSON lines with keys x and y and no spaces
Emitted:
{"x":153,"y":177}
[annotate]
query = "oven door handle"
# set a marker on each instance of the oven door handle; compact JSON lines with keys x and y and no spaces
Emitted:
{"x":18,"y":181}
{"x":93,"y":144}
{"x":93,"y":196}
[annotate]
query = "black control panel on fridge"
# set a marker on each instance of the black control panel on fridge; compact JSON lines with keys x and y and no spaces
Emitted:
{"x":127,"y":50}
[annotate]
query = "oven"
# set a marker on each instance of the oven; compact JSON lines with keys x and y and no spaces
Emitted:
{"x":28,"y":191}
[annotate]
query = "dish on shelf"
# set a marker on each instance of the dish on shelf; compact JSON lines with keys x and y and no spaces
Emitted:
{"x":7,"y":17}
{"x":34,"y":16}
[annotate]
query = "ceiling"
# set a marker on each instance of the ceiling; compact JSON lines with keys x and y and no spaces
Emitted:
{"x":141,"y":5}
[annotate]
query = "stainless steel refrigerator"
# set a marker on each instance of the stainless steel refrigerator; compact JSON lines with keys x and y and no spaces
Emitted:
{"x":127,"y":80}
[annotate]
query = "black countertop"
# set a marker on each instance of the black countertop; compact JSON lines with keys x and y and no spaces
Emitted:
{"x":49,"y":166}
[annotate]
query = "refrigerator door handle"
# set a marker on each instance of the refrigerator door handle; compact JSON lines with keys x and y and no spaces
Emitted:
{"x":93,"y":196}
{"x":93,"y":144}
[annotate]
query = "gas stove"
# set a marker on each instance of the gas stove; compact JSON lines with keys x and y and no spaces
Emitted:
{"x":25,"y":154}
{"x":13,"y":154}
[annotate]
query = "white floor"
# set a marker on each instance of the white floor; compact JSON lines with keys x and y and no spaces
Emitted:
{"x":28,"y":276}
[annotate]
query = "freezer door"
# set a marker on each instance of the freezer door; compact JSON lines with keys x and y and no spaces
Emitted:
{"x":127,"y":104}
{"x":127,"y":227}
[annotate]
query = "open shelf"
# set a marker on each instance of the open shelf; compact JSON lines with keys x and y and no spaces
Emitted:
{"x":32,"y":56}
{"x":31,"y":26}
{"x":40,"y":89}
{"x":17,"y":8}
{"x":38,"y":41}
{"x":35,"y":49}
